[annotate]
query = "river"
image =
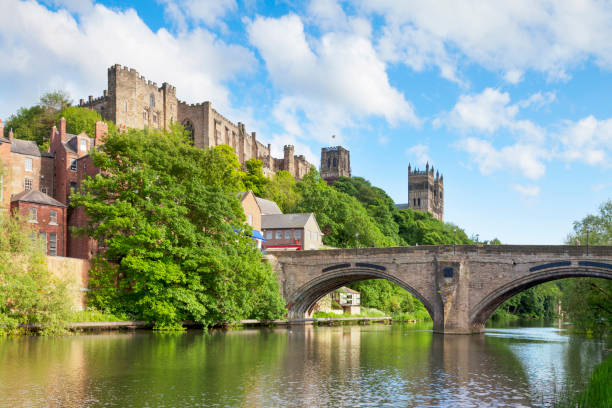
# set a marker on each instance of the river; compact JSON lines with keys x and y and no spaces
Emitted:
{"x":395,"y":365}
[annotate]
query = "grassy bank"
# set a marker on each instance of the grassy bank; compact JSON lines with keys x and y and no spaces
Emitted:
{"x":597,"y":393}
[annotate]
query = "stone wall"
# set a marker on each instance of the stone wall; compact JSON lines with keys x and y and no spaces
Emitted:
{"x":75,"y":271}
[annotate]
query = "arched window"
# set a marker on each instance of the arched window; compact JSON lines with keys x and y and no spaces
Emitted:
{"x":335,"y":162}
{"x":419,"y":201}
{"x":189,"y":130}
{"x":152,"y":100}
{"x":328,"y":162}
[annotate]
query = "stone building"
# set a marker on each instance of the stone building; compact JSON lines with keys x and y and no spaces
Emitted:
{"x":135,"y":102}
{"x":335,"y":163}
{"x":425,"y":192}
{"x":291,"y":232}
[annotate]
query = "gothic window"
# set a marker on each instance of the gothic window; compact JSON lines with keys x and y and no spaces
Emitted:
{"x":189,"y":130}
{"x":419,"y":202}
{"x":414,"y":202}
{"x":144,"y":116}
{"x":155,"y":119}
{"x":152,"y":101}
{"x":328,"y":162}
{"x":335,"y":162}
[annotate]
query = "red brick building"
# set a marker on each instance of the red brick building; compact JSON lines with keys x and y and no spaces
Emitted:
{"x":47,"y":215}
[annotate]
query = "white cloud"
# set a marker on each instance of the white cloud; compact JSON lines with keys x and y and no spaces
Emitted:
{"x":327,"y":84}
{"x":420,"y":153}
{"x":588,"y":140}
{"x":208,"y":12}
{"x":527,"y":191}
{"x":513,"y":37}
{"x":56,"y":51}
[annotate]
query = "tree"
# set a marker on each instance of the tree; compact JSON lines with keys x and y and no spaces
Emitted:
{"x":82,"y":120}
{"x":282,"y":190}
{"x":170,"y":220}
{"x":588,"y":301}
{"x":254,"y":178}
{"x":29,"y":293}
{"x":34,"y":123}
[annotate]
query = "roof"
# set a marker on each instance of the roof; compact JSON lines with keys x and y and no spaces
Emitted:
{"x":37,"y":197}
{"x":285,"y":220}
{"x":268,"y":207}
{"x":347,"y":290}
{"x":28,"y":147}
{"x":71,"y":142}
{"x":402,"y":206}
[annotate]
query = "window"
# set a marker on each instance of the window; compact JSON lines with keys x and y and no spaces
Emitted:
{"x":144,"y":116}
{"x":33,"y":215}
{"x":152,"y":100}
{"x":84,"y":166}
{"x":335,"y":162}
{"x":419,"y":202}
{"x":43,"y":239}
{"x":250,"y":219}
{"x":28,"y":164}
{"x":155,"y":118}
{"x":171,"y":107}
{"x":297,"y":234}
{"x":316,"y":236}
{"x":279,"y":234}
{"x":83,"y":145}
{"x":287,"y":234}
{"x":27,"y":185}
{"x":53,"y":244}
{"x":329,"y":162}
{"x":269,"y":235}
{"x":43,"y":190}
{"x":73,"y":164}
{"x":53,"y":217}
{"x":414,"y":202}
{"x":308,"y":235}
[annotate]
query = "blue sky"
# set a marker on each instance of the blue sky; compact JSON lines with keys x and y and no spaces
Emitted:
{"x":509,"y":101}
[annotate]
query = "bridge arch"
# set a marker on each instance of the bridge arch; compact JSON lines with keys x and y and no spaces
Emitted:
{"x":302,"y":301}
{"x":483,"y":310}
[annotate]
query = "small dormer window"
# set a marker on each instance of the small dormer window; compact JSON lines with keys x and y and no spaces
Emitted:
{"x":152,"y":100}
{"x":28,"y":164}
{"x":83,"y":145}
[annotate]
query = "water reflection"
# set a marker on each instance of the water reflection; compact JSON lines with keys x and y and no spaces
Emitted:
{"x":399,"y":365}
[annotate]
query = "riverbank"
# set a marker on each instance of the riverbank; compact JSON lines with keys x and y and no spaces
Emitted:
{"x":597,"y":393}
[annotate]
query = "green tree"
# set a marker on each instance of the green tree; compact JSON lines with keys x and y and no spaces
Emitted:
{"x":82,"y":120}
{"x":254,"y":178}
{"x":588,"y":301}
{"x":282,"y":190}
{"x":29,"y":293}
{"x":35,"y":123}
{"x":167,"y":215}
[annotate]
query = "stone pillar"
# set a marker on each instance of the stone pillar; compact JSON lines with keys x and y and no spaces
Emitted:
{"x":451,"y":313}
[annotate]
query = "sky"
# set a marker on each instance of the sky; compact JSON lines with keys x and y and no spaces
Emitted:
{"x":508,"y":100}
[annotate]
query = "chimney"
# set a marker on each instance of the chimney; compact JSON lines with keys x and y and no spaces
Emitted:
{"x":52,"y":136}
{"x":101,"y":130}
{"x":63,"y":129}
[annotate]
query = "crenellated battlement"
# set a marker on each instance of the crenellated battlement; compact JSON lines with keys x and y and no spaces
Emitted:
{"x":92,"y":101}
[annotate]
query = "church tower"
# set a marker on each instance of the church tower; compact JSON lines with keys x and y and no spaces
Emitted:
{"x":426,"y":191}
{"x":335,"y":163}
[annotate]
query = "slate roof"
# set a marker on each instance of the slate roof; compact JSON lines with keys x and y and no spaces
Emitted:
{"x":268,"y":207}
{"x":298,"y":220}
{"x":28,"y":147}
{"x":37,"y":197}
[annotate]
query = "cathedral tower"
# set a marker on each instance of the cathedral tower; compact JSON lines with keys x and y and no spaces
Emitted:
{"x":335,"y":163}
{"x":426,"y":191}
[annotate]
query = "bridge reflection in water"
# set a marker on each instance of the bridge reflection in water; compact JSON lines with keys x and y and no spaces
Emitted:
{"x":459,"y":286}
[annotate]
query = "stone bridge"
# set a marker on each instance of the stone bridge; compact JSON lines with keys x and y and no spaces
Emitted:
{"x":460,"y":286}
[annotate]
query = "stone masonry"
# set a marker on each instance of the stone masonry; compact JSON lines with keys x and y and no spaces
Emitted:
{"x":135,"y":102}
{"x":460,"y":287}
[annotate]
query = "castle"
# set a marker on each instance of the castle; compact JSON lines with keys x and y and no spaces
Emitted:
{"x":425,"y":192}
{"x":134,"y":102}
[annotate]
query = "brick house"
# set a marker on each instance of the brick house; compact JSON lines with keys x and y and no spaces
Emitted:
{"x":47,"y":215}
{"x":291,"y":232}
{"x":254,"y":208}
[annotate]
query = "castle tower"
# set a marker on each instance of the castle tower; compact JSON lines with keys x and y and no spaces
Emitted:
{"x":335,"y":163}
{"x":289,"y":160}
{"x":426,"y":191}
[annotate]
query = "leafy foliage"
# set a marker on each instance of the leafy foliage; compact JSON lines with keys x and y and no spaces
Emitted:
{"x":167,"y":213}
{"x":254,"y":178}
{"x":35,"y":123}
{"x":282,"y":189}
{"x":82,"y":120}
{"x":30,"y":293}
